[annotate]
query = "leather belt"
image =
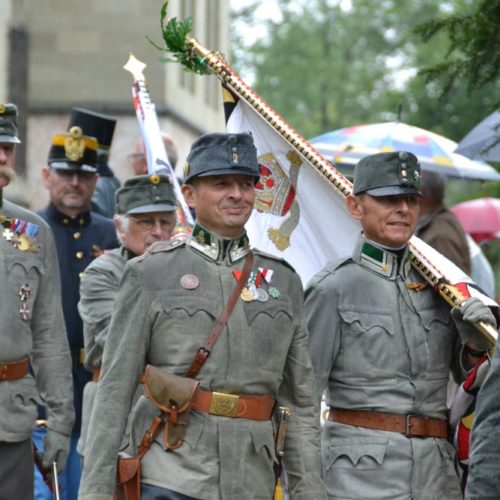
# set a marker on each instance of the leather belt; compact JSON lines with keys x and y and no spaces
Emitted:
{"x":233,"y":405}
{"x":14,"y":369}
{"x":409,"y":425}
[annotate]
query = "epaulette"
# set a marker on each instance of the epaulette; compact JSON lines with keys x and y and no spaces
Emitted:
{"x":337,"y":264}
{"x":328,"y":270}
{"x":164,"y":246}
{"x":167,"y":246}
{"x":256,"y":251}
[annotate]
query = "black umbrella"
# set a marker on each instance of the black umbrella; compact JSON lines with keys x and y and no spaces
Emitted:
{"x":483,"y":141}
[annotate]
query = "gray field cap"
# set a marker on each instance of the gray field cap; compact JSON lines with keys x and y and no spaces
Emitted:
{"x":145,"y":193}
{"x":8,"y":124}
{"x":222,"y":154}
{"x":388,"y":174}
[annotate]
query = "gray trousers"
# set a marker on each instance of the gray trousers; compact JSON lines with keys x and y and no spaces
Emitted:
{"x":16,"y":470}
{"x":149,"y":492}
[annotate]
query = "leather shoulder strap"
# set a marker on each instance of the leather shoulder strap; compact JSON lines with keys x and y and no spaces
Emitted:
{"x":204,"y":351}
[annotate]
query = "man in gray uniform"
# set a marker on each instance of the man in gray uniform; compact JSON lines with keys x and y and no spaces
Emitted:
{"x":167,"y":304}
{"x":31,"y":332}
{"x":144,"y":213}
{"x":382,"y":344}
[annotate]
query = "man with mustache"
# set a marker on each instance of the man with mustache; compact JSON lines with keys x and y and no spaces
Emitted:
{"x":31,"y":334}
{"x":382,"y":345}
{"x":81,"y":235}
{"x":170,"y":300}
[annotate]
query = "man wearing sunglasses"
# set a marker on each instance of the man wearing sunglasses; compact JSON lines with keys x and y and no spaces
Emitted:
{"x":81,"y":235}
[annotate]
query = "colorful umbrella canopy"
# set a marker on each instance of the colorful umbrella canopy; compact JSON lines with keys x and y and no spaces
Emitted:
{"x":346,"y":146}
{"x":480,"y":218}
{"x":483,"y":141}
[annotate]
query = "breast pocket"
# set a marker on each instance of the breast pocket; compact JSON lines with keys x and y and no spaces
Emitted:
{"x":183,"y":327}
{"x":271,"y":324}
{"x":368,"y":337}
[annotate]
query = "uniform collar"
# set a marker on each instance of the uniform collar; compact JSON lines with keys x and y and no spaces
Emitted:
{"x":379,"y":260}
{"x":217,"y":248}
{"x":80,"y":220}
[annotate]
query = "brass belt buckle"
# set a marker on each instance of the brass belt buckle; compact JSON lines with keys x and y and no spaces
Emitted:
{"x":224,"y":405}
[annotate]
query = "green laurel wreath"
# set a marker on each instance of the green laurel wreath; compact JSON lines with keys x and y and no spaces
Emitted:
{"x":174,"y":34}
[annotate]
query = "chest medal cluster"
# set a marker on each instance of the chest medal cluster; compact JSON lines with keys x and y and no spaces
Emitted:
{"x":253,"y":289}
{"x":20,"y":234}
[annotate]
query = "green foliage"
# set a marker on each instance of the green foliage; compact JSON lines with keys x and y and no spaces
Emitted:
{"x":324,"y":66}
{"x":175,"y":35}
{"x":474,"y":46}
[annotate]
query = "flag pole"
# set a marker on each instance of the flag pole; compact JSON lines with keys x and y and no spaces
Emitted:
{"x":343,"y":186}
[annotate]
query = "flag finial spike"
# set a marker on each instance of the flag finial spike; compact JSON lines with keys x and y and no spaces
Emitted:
{"x":135,"y":67}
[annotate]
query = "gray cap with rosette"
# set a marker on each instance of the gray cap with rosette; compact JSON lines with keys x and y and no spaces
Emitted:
{"x":144,"y":194}
{"x":388,"y":174}
{"x":222,"y":154}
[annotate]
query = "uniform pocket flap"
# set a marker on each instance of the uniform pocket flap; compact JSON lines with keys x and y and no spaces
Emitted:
{"x":367,"y":320}
{"x":262,"y":440}
{"x":273,"y":307}
{"x":373,"y":449}
{"x":438,"y":315}
{"x":190,"y":304}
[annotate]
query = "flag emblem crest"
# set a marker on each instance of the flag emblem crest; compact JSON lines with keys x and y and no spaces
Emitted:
{"x":275,"y":194}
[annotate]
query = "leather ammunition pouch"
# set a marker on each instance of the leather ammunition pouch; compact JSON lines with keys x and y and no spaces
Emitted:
{"x":173,"y":396}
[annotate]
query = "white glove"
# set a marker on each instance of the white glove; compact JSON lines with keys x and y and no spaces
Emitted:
{"x":56,"y":450}
{"x":466,"y":315}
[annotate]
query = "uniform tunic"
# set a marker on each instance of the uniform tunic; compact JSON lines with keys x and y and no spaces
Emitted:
{"x":378,"y":344}
{"x":261,"y":351}
{"x":79,"y":240}
{"x":41,"y":335}
{"x":483,"y":482}
{"x":98,"y":289}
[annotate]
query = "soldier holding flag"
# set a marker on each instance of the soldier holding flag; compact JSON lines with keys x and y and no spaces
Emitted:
{"x":382,"y":345}
{"x":228,"y":317}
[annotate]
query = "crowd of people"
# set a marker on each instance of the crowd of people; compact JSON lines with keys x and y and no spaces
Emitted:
{"x":143,"y":363}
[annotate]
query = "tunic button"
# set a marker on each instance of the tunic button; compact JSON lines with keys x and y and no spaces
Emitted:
{"x":79,"y":255}
{"x":65,"y":221}
{"x":77,"y":235}
{"x":80,"y":275}
{"x":82,"y":221}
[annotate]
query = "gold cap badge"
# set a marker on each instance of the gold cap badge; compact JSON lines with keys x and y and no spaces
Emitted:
{"x":74,"y":145}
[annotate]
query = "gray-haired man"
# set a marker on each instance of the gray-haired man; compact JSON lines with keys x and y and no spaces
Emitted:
{"x":144,"y":213}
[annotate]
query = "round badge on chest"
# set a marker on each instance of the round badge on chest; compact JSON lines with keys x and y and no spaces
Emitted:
{"x":190,"y":281}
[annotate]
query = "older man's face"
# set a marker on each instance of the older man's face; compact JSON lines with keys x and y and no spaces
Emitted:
{"x":6,"y":163}
{"x":142,"y":230}
{"x":387,"y":220}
